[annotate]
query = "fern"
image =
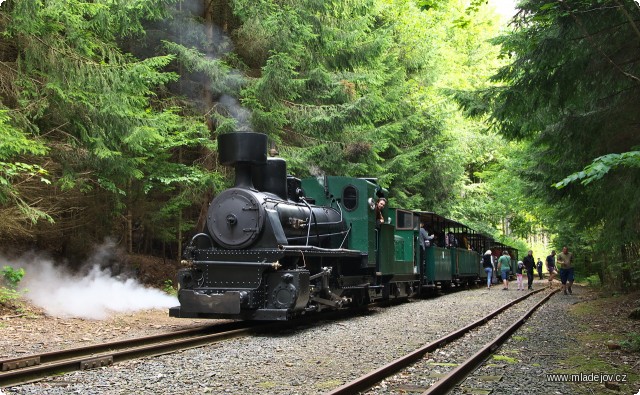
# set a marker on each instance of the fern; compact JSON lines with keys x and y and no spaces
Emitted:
{"x":600,"y":167}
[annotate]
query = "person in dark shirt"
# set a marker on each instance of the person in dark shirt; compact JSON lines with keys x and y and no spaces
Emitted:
{"x":529,"y":264}
{"x":425,"y":241}
{"x":518,"y":271}
{"x":539,"y":268}
{"x":551,"y":267}
{"x":452,"y":241}
{"x":379,"y":206}
{"x":425,"y":237}
{"x":487,"y":264}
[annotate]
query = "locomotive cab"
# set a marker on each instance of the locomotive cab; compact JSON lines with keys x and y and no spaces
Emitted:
{"x":390,"y":257}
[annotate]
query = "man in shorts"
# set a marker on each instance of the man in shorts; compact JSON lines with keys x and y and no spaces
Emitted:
{"x":565,"y":260}
{"x":551,"y":267}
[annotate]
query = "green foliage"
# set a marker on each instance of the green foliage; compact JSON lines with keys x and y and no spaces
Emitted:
{"x":504,"y":358}
{"x":15,"y":142}
{"x":593,"y":280}
{"x":8,"y":295}
{"x":356,"y":89}
{"x":12,"y":276}
{"x":168,"y":288}
{"x":220,"y":77}
{"x":324,"y":82}
{"x":87,"y":116}
{"x":570,"y":91}
{"x":632,"y":343}
{"x":601,"y":166}
{"x":121,"y":121}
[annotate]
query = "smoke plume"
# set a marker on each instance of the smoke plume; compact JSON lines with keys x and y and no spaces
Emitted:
{"x":96,"y":294}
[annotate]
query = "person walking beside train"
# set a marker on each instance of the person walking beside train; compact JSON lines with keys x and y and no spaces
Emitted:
{"x":529,"y":264}
{"x":504,"y":265}
{"x":519,"y":268}
{"x":539,"y":268}
{"x":487,"y":263}
{"x":565,"y":259}
{"x":551,"y":267}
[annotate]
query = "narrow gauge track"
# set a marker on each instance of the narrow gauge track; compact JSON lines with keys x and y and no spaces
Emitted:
{"x":21,"y":370}
{"x":16,"y":371}
{"x":456,"y":375}
{"x":25,"y":369}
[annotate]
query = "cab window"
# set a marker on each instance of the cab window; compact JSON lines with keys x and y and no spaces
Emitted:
{"x":350,"y":198}
{"x":404,"y":220}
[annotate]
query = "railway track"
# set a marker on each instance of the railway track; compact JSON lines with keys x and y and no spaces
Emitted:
{"x":21,"y":370}
{"x":16,"y":371}
{"x":406,"y":365}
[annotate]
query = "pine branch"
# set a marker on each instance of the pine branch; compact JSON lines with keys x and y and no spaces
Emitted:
{"x":594,"y":45}
{"x":631,"y":22}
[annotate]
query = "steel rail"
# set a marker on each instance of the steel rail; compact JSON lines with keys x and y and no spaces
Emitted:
{"x":370,"y":379}
{"x":54,"y":356}
{"x":454,"y":377}
{"x":123,"y":350}
{"x":33,"y":368}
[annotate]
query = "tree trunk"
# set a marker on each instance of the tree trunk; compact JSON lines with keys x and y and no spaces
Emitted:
{"x":179,"y":217}
{"x":129,"y":227}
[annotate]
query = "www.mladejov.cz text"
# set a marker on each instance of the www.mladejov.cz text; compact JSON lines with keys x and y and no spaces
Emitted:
{"x":587,"y":377}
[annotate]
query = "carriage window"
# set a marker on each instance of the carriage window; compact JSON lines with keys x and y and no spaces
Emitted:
{"x":350,"y":198}
{"x":404,"y":220}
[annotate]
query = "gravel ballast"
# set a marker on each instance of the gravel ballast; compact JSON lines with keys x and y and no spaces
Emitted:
{"x":318,"y":358}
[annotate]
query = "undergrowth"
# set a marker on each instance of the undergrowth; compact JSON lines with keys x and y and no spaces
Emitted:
{"x":9,"y":293}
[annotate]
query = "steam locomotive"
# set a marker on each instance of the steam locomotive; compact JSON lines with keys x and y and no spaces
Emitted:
{"x":276,"y":247}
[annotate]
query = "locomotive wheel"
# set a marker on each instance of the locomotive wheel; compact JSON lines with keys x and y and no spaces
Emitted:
{"x":360,"y":298}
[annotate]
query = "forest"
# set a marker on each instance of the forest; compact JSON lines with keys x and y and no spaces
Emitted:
{"x":526,"y":129}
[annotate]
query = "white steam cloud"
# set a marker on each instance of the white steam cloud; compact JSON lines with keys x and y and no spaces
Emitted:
{"x":94,"y":295}
{"x":239,"y":113}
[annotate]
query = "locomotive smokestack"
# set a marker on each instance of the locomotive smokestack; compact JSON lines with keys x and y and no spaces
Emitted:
{"x":242,"y":150}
